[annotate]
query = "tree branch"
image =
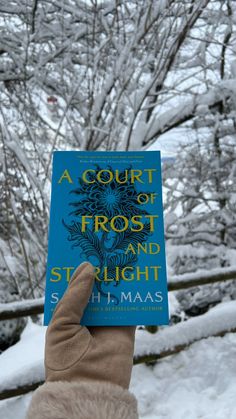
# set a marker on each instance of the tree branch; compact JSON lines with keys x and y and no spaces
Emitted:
{"x":183,"y":112}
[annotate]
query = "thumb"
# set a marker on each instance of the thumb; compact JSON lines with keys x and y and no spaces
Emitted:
{"x":66,"y":340}
{"x":72,"y":305}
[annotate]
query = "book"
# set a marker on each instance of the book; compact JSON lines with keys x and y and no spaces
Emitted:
{"x":106,"y":208}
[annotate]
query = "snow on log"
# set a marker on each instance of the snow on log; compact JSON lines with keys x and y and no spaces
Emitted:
{"x":21,"y":308}
{"x":22,"y":365}
{"x":170,"y":340}
{"x":201,"y":277}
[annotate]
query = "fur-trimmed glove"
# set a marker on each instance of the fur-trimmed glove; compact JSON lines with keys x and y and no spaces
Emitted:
{"x":87,"y":369}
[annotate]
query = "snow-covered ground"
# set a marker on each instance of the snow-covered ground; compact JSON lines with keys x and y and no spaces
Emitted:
{"x":199,"y":382}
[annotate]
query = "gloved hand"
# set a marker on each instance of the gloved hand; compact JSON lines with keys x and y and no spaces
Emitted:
{"x":77,"y":353}
{"x":87,"y":369}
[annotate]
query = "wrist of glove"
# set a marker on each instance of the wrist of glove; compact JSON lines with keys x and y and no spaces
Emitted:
{"x":82,"y":400}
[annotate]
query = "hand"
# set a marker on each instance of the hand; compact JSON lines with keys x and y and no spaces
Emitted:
{"x":77,"y":353}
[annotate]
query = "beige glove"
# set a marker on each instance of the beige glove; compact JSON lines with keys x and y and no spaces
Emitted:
{"x":87,"y":369}
{"x":78,"y":353}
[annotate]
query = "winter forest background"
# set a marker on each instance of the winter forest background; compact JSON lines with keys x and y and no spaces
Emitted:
{"x":126,"y":75}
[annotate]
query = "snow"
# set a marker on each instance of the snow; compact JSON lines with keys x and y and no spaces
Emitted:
{"x":22,"y":363}
{"x":15,"y":408}
{"x":199,"y":382}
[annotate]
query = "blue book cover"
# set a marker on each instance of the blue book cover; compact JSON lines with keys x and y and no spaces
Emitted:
{"x":106,"y":208}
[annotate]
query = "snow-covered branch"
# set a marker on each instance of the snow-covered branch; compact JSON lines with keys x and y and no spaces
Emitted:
{"x":216,"y":322}
{"x":187,"y":110}
{"x":176,"y":283}
{"x":122,"y":56}
{"x":201,"y":277}
{"x":21,"y":308}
